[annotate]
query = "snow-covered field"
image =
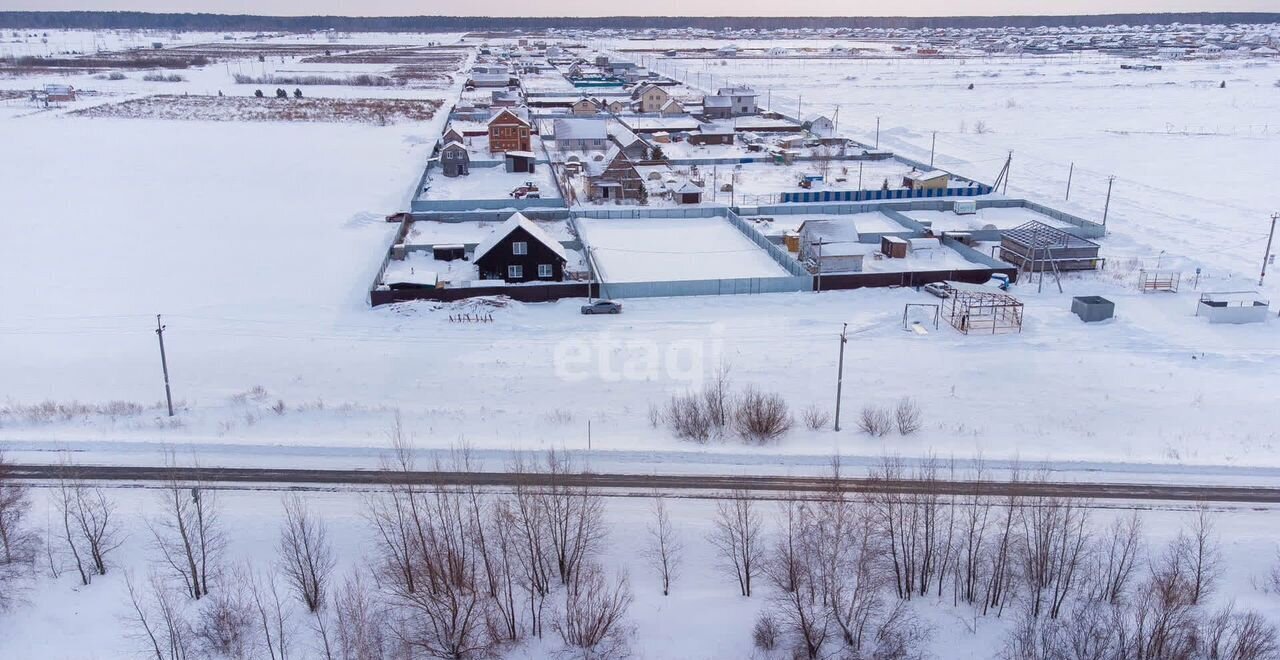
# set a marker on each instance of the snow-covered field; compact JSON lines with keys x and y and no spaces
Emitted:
{"x":657,"y":249}
{"x":258,"y":242}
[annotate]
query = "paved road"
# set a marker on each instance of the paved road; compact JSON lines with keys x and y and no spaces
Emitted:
{"x":246,"y":477}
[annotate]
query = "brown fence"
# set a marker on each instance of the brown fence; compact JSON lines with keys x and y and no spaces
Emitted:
{"x":912,"y":278}
{"x":523,"y":293}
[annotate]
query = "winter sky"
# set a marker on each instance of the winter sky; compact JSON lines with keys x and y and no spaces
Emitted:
{"x":645,"y":7}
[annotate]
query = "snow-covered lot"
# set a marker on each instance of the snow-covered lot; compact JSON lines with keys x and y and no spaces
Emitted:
{"x":658,"y":249}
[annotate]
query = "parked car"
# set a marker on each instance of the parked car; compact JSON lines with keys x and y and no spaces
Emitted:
{"x":603,"y":307}
{"x":939,"y":289}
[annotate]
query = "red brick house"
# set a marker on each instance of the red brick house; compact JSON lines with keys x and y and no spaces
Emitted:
{"x":509,"y":131}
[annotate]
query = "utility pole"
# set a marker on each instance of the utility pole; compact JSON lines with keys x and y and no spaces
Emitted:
{"x":164,"y":364}
{"x":1266,"y":256}
{"x":844,"y":339}
{"x":1069,"y":173}
{"x":1107,"y":206}
{"x":835,"y":125}
{"x":799,"y":104}
{"x":877,"y":132}
{"x":859,"y":175}
{"x":818,"y":289}
{"x":933,"y":146}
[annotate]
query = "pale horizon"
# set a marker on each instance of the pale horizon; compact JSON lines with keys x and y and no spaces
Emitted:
{"x":583,"y":9}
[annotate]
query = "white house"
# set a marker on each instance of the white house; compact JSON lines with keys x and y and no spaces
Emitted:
{"x":819,"y":125}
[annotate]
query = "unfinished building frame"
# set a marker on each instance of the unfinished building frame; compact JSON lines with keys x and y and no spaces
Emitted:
{"x":1036,"y":247}
{"x":983,"y":312}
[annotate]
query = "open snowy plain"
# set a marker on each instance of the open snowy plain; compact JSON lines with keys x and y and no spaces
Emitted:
{"x":258,"y":241}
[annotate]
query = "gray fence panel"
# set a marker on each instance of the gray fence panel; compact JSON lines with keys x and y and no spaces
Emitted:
{"x":734,"y":286}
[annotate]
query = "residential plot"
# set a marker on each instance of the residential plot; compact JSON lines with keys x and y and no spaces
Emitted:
{"x":673,"y":249}
{"x":488,"y":183}
{"x":986,"y":218}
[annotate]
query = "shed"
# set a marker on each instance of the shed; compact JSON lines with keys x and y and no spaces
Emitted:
{"x":831,"y":245}
{"x":931,"y":180}
{"x":688,"y":193}
{"x":448,"y":252}
{"x":519,"y":161}
{"x":1233,"y":307}
{"x":894,"y":247}
{"x":1036,"y":246}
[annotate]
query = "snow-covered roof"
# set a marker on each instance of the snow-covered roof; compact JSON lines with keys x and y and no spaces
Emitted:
{"x":518,"y":219}
{"x":716,"y":102}
{"x":579,"y":129}
{"x":716,"y":128}
{"x":688,"y":187}
{"x":510,"y":113}
{"x":926,"y":176}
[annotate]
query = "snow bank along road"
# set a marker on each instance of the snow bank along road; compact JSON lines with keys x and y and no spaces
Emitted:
{"x":238,"y":478}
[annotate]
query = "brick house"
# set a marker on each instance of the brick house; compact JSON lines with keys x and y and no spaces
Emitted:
{"x":509,"y":131}
{"x":520,"y":251}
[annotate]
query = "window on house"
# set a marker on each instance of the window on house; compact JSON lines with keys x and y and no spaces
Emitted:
{"x":520,"y":248}
{"x":544,"y":270}
{"x":515,"y":272}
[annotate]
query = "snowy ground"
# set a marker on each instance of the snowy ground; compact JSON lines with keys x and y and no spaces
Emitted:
{"x":999,"y":218}
{"x":258,"y":243}
{"x":704,"y":618}
{"x":662,"y":249}
{"x":864,"y":223}
{"x":488,"y":183}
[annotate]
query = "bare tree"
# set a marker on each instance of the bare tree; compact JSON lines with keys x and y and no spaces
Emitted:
{"x":794,"y":569}
{"x":358,"y":622}
{"x":157,"y":621}
{"x":306,"y":557}
{"x":1052,"y":542}
{"x":665,"y":549}
{"x":1203,"y":554}
{"x":271,"y":614}
{"x":574,"y":516}
{"x":1118,"y":557}
{"x":736,"y":536}
{"x":17,"y":542}
{"x":66,"y":503}
{"x":89,"y":527}
{"x":187,"y":534}
{"x":717,"y":398}
{"x":594,"y":617}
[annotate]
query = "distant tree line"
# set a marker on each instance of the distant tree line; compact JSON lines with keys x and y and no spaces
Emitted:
{"x":243,"y":22}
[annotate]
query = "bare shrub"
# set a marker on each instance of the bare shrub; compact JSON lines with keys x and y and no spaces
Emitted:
{"x":815,"y":418}
{"x":305,"y":555}
{"x":358,"y":622}
{"x":559,"y":417}
{"x":655,"y":416}
{"x":717,"y":398}
{"x":980,"y":127}
{"x":687,"y":418}
{"x":875,"y":421}
{"x":765,"y":633}
{"x":225,"y":625}
{"x":1241,"y":636}
{"x":595,"y":609}
{"x":736,"y":537}
{"x":161,"y":77}
{"x":907,"y":415}
{"x":279,"y":407}
{"x":761,"y":417}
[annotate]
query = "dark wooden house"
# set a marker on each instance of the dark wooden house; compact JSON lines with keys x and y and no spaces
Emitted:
{"x":520,"y":251}
{"x":615,"y":178}
{"x":454,"y":160}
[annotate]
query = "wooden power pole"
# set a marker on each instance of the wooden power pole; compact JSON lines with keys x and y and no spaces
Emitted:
{"x":164,"y":364}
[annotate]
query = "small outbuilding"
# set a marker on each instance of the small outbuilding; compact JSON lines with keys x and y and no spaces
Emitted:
{"x":1092,"y":309}
{"x":455,"y":160}
{"x":688,"y":193}
{"x":519,"y":161}
{"x":1233,"y":307}
{"x":931,"y":180}
{"x":894,"y":247}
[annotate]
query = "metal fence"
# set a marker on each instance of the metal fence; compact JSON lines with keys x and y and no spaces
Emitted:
{"x":721,"y":287}
{"x":778,"y":254}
